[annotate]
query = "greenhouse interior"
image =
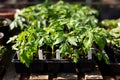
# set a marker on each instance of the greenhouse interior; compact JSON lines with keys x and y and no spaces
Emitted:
{"x":59,"y":40}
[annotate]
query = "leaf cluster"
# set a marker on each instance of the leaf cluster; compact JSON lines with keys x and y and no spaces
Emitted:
{"x":73,"y":29}
{"x":114,"y":31}
{"x":110,"y":23}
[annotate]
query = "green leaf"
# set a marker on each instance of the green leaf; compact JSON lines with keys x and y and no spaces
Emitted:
{"x":15,"y":47}
{"x":100,"y":41}
{"x":72,"y":40}
{"x":59,"y":40}
{"x":63,"y":47}
{"x":24,"y":59}
{"x":88,"y":41}
{"x":12,"y":39}
{"x":40,"y":42}
{"x":102,"y":55}
{"x":13,"y":25}
{"x":106,"y":59}
{"x":20,"y":24}
{"x":99,"y":55}
{"x":75,"y":57}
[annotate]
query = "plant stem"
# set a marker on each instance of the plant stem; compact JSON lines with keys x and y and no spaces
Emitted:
{"x":52,"y":50}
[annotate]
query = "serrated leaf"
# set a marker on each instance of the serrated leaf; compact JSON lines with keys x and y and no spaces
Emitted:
{"x":63,"y":47}
{"x":59,"y":40}
{"x":88,"y":41}
{"x":72,"y":40}
{"x":24,"y":59}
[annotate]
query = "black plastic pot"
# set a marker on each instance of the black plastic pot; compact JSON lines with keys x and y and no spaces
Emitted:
{"x":36,"y":66}
{"x":68,"y":66}
{"x":113,"y":68}
{"x":85,"y":66}
{"x":53,"y":67}
{"x":2,"y":71}
{"x":19,"y":67}
{"x":4,"y":28}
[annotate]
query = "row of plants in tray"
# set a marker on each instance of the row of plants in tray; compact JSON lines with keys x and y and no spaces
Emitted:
{"x":71,"y":29}
{"x":112,"y":48}
{"x":113,"y":43}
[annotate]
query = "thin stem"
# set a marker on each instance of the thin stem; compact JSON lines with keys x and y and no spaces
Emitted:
{"x":53,"y":50}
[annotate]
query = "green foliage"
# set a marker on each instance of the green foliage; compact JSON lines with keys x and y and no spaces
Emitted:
{"x":3,"y":49}
{"x":72,"y":29}
{"x":114,"y":37}
{"x":27,"y":44}
{"x":46,"y":14}
{"x":110,"y":24}
{"x":113,"y":27}
{"x":101,"y":55}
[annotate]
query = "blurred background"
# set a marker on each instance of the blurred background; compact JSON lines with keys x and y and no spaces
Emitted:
{"x":108,"y":8}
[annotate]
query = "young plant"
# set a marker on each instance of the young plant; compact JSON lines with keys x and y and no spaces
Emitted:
{"x":114,"y":31}
{"x":73,"y":29}
{"x":113,"y":40}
